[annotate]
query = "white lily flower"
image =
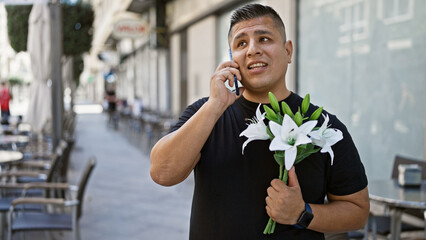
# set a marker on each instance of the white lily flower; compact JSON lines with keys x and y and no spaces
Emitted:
{"x":326,"y":137}
{"x":288,"y":136}
{"x":256,"y":130}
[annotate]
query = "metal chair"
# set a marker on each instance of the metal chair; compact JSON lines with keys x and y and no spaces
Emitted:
{"x":21,"y":221}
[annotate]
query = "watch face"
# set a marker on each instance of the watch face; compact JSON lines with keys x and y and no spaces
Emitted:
{"x":305,"y":219}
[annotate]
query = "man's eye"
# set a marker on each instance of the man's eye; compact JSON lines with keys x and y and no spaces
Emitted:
{"x":264,"y":39}
{"x":241,"y":44}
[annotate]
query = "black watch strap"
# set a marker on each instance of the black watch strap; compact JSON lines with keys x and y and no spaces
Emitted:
{"x":305,"y":218}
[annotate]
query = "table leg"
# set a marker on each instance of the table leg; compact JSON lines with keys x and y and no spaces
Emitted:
{"x":396,"y":215}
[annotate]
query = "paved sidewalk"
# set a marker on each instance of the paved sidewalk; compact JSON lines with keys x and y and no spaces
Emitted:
{"x":121,"y":201}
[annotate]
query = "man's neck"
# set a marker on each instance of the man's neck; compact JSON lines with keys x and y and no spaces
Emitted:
{"x":262,"y":97}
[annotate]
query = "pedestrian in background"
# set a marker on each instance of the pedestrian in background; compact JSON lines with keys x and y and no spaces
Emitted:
{"x":5,"y":97}
{"x":111,"y":97}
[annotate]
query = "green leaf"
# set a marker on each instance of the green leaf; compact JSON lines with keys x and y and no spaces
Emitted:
{"x":286,"y":109}
{"x":305,"y":104}
{"x":279,"y":158}
{"x":302,"y":147}
{"x":274,"y":102}
{"x":316,"y":114}
{"x":298,"y":119}
{"x":269,"y":112}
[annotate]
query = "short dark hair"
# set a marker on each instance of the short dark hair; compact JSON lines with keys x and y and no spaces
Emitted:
{"x":255,"y":10}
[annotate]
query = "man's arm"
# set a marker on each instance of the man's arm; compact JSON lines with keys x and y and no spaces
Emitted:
{"x":343,"y":213}
{"x":175,"y":155}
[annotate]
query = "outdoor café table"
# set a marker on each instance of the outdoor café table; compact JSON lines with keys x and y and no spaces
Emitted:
{"x":6,"y":140}
{"x":7,"y":129}
{"x":7,"y":156}
{"x":397,"y":198}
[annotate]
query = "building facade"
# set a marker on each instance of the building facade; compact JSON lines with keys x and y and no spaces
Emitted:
{"x":171,"y":66}
{"x":198,"y":43}
{"x":360,"y":59}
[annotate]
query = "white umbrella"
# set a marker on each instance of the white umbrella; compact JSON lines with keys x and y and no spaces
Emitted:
{"x":40,"y":106}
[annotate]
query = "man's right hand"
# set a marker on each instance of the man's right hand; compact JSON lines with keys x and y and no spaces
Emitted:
{"x":218,"y":91}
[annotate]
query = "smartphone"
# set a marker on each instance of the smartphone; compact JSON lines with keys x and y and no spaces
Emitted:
{"x":237,"y":90}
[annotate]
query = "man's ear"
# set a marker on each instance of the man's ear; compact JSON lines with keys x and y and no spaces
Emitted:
{"x":289,"y":49}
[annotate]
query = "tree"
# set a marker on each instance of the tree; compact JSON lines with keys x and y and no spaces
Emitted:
{"x":77,"y":28}
{"x":17,"y":26}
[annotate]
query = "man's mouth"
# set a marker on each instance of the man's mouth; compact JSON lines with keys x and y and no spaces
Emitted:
{"x":257,"y":66}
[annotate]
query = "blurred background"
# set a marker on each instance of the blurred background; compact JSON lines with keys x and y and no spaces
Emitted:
{"x":363,"y":60}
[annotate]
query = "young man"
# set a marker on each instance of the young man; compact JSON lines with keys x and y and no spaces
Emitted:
{"x":235,"y":194}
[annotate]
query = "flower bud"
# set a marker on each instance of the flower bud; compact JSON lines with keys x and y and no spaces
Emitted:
{"x":269,"y":112}
{"x":274,"y":102}
{"x":305,"y":104}
{"x":298,"y":119}
{"x":316,"y":114}
{"x":286,"y":109}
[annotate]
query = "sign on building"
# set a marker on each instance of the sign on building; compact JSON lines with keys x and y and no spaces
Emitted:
{"x":130,"y":28}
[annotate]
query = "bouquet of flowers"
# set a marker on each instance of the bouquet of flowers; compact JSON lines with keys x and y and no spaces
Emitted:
{"x":293,"y":136}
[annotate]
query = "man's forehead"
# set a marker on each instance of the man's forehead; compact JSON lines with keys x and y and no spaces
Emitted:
{"x":257,"y":25}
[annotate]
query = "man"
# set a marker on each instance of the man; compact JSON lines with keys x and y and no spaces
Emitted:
{"x":235,"y":194}
{"x":5,"y":98}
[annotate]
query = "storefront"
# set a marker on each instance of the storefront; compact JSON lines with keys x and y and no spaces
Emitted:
{"x":198,"y":43}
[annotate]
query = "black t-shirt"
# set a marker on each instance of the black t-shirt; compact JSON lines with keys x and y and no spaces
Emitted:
{"x":230,"y":188}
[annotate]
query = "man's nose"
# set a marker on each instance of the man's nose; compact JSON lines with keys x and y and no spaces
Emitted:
{"x":254,"y":49}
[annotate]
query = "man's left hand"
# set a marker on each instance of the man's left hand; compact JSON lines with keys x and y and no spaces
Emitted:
{"x":284,"y":204}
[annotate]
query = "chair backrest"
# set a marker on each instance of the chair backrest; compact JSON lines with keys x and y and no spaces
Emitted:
{"x":83,"y":183}
{"x":403,"y":160}
{"x":65,"y":161}
{"x":56,"y":161}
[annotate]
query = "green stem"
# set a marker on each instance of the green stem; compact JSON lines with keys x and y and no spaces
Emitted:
{"x":268,"y":227}
{"x":281,"y":172}
{"x":273,"y":227}
{"x":285,"y":177}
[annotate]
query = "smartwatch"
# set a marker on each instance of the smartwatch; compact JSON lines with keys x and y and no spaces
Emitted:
{"x":305,"y":218}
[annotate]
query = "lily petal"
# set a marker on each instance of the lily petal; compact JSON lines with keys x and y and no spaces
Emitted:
{"x":277,"y":144}
{"x":307,"y":127}
{"x":331,"y":156}
{"x":302,"y":139}
{"x":252,"y":137}
{"x":290,"y":157}
{"x":325,"y":123}
{"x":332,"y":135}
{"x":275,"y":128}
{"x":257,"y":130}
{"x":246,"y":142}
{"x":330,"y":151}
{"x":288,"y":125}
{"x":259,"y":115}
{"x":250,"y":131}
{"x":315,"y":134}
{"x":254,"y":131}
